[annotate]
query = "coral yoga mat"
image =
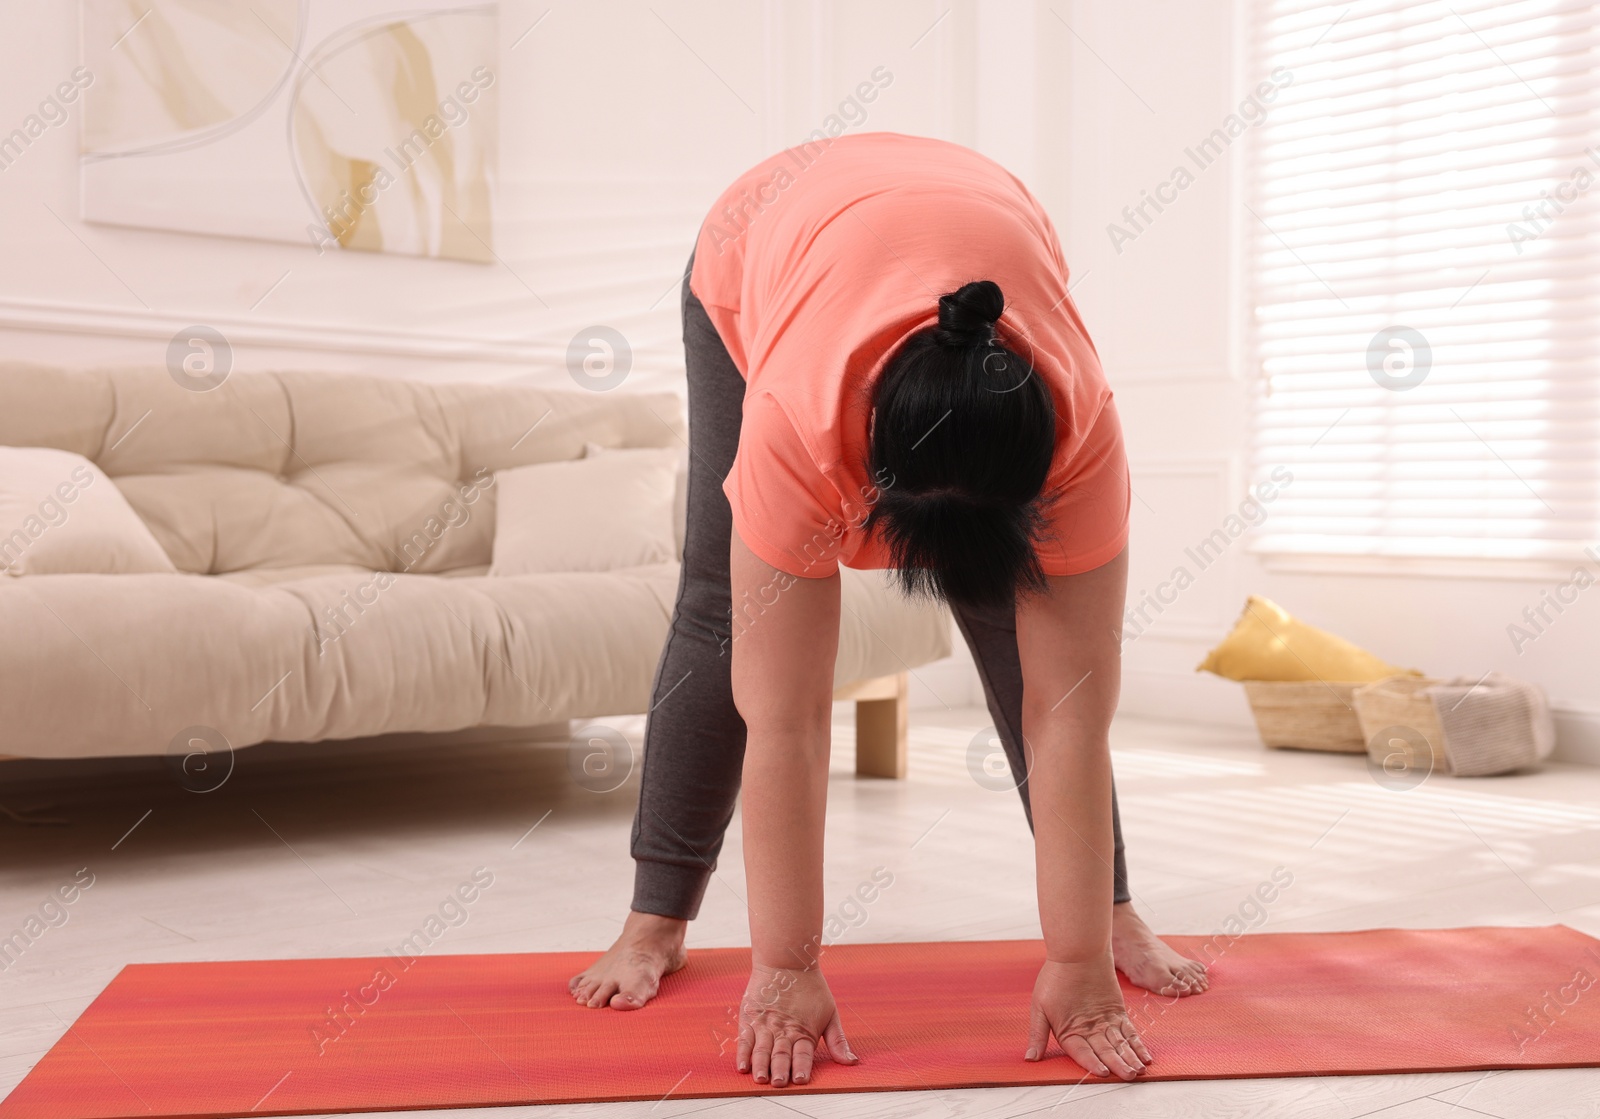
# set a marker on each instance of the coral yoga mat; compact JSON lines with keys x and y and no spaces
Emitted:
{"x":282,"y":1037}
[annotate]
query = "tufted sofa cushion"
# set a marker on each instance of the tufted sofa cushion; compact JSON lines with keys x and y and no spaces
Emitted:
{"x":285,"y":469}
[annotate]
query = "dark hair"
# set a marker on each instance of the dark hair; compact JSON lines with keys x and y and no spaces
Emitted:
{"x":961,"y":441}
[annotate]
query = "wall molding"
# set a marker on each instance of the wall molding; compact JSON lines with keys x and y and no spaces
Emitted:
{"x":50,"y":317}
{"x":1187,"y":466}
{"x":1529,"y":570}
{"x":1172,"y":374}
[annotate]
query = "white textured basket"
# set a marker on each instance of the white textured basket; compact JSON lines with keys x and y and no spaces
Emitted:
{"x":1400,"y":701}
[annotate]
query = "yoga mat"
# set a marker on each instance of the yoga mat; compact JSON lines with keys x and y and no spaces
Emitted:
{"x":228,"y":1039}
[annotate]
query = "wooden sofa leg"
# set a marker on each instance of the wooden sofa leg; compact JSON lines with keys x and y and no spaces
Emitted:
{"x":881,"y":725}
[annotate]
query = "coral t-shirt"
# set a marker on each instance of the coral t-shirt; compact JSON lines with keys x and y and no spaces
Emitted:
{"x":816,"y":265}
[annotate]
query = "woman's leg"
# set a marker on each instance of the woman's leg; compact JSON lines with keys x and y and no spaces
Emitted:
{"x":694,"y":736}
{"x":992,"y":637}
{"x":1139,"y":953}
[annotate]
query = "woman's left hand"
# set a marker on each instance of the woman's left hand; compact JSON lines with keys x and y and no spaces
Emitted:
{"x":1081,"y":1004}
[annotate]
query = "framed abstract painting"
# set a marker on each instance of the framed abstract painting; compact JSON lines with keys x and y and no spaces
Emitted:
{"x":345,"y":124}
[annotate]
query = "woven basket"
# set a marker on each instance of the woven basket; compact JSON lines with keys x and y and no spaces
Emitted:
{"x":1306,"y":716}
{"x":1399,"y":702}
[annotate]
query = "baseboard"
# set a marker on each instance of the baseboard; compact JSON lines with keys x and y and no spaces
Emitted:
{"x":1195,"y":696}
{"x":1577,"y":733}
{"x":952,"y":682}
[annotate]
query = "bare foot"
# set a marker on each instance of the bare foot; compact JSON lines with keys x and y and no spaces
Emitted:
{"x":1146,"y":959}
{"x":629,"y":974}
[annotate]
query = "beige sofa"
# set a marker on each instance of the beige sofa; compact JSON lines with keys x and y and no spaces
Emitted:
{"x":277,"y":497}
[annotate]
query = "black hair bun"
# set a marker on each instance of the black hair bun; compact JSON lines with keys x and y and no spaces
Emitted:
{"x":967,"y":316}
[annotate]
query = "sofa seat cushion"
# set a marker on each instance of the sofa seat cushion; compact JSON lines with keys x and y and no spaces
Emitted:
{"x":318,"y":654}
{"x":138,"y":658}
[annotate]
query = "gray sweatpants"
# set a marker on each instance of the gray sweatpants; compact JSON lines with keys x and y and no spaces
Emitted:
{"x":694,"y":738}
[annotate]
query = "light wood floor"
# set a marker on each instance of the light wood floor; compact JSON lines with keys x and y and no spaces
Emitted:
{"x":341,"y":849}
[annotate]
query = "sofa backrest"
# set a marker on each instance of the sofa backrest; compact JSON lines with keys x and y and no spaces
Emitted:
{"x":292,"y":468}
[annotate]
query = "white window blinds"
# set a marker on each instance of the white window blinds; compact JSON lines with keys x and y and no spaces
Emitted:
{"x":1423,"y":264}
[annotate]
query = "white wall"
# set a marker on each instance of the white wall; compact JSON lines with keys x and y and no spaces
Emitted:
{"x":620,"y":123}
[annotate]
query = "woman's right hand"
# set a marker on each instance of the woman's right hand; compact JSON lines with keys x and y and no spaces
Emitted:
{"x":1081,"y":1004}
{"x":783,"y":1014}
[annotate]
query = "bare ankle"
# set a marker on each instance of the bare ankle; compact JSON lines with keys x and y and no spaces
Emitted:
{"x":654,"y":926}
{"x":1124,"y":916}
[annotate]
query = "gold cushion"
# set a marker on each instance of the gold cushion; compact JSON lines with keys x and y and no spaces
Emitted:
{"x":1269,"y":643}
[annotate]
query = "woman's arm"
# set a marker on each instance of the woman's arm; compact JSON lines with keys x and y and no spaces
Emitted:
{"x":1069,"y":640}
{"x":785,"y":636}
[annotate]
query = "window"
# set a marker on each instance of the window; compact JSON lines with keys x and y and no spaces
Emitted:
{"x":1422,"y":260}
